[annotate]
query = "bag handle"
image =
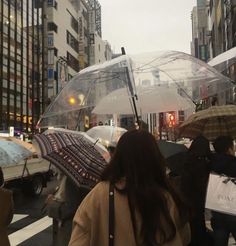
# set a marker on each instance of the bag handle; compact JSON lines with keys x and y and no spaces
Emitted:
{"x":111,"y":215}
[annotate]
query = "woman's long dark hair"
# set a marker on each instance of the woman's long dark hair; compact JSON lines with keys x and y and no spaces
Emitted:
{"x":138,"y":159}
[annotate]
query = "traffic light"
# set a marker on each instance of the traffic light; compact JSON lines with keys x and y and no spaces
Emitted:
{"x":171,"y":119}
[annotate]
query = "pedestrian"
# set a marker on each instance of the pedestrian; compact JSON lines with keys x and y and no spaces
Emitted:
{"x":224,"y":162}
{"x":193,"y":186}
{"x":145,"y":210}
{"x":6,"y":211}
{"x":61,"y":206}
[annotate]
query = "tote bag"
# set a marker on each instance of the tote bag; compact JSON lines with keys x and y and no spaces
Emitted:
{"x":221,"y":194}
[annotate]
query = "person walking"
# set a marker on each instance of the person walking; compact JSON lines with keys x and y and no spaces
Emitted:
{"x":193,"y":186}
{"x":61,"y":207}
{"x":134,"y":204}
{"x":224,"y":162}
{"x":6,"y":211}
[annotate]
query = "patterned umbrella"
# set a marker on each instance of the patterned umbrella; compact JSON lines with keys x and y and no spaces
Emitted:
{"x":74,"y":154}
{"x":211,"y":123}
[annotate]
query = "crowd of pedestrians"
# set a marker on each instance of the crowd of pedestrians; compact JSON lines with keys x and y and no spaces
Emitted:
{"x":136,"y":203}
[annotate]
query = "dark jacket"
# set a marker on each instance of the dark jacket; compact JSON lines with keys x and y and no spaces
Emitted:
{"x":6,"y":214}
{"x":224,"y":164}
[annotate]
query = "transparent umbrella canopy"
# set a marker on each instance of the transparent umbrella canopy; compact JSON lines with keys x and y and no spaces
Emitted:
{"x":189,"y":78}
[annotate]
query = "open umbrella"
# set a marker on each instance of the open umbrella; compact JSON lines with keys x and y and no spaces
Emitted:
{"x":224,"y":60}
{"x":99,"y":147}
{"x":107,"y":135}
{"x":28,"y":146}
{"x":12,"y":153}
{"x":174,"y":153}
{"x":142,"y":77}
{"x":169,"y":149}
{"x":74,"y":154}
{"x":152,"y":99}
{"x":211,"y":123}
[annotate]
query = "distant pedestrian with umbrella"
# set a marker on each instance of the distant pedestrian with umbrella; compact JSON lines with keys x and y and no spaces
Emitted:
{"x":134,"y":204}
{"x":61,"y":206}
{"x":224,"y":163}
{"x":6,"y":211}
{"x":194,"y":179}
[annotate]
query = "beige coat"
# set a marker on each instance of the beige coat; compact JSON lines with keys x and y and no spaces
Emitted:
{"x":91,"y":221}
{"x":6,"y":214}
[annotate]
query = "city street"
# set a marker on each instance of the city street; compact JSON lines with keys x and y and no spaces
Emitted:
{"x":29,"y":225}
{"x":132,"y":93}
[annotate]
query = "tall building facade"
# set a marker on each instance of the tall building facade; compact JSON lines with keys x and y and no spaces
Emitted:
{"x":100,"y":50}
{"x":220,"y":37}
{"x":199,"y":44}
{"x":23,"y":56}
{"x":63,"y":33}
{"x":73,"y":27}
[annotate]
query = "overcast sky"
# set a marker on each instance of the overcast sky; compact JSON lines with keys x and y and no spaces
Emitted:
{"x":147,"y":25}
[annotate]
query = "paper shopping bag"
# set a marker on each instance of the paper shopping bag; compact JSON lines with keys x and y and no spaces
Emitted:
{"x":221,"y":194}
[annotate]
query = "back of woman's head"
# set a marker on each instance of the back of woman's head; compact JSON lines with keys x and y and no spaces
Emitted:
{"x":138,"y":159}
{"x":200,"y":146}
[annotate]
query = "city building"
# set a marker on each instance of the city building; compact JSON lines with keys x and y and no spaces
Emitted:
{"x":99,"y":50}
{"x":63,"y":34}
{"x":23,"y":59}
{"x":74,"y":40}
{"x":213,"y":32}
{"x":199,"y":44}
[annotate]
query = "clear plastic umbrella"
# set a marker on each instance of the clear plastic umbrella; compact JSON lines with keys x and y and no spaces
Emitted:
{"x":107,"y":135}
{"x":189,"y":78}
{"x":224,"y":60}
{"x":12,"y":153}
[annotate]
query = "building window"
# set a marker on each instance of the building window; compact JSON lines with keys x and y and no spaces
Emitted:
{"x":72,"y":62}
{"x":74,"y":24}
{"x":50,"y":2}
{"x":91,"y":38}
{"x":50,"y":74}
{"x":51,"y":56}
{"x":55,"y":5}
{"x":71,"y":40}
{"x":55,"y":51}
{"x":50,"y":39}
{"x":52,"y":27}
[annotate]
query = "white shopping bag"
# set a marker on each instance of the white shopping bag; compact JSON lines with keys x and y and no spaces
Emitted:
{"x":221,"y":194}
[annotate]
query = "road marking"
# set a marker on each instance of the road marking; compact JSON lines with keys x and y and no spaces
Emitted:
{"x":17,"y":217}
{"x":29,"y":231}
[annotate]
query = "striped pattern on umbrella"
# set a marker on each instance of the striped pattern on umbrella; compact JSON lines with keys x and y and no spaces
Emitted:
{"x":211,"y":123}
{"x":74,"y":155}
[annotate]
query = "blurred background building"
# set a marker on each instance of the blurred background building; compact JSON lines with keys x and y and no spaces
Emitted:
{"x":43,"y":44}
{"x":23,"y":59}
{"x":214,"y":32}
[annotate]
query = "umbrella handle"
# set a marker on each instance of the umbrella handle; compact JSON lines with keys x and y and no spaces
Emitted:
{"x":96,"y":142}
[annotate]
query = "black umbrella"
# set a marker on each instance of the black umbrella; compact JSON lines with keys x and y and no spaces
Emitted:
{"x":170,"y":148}
{"x":174,"y":153}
